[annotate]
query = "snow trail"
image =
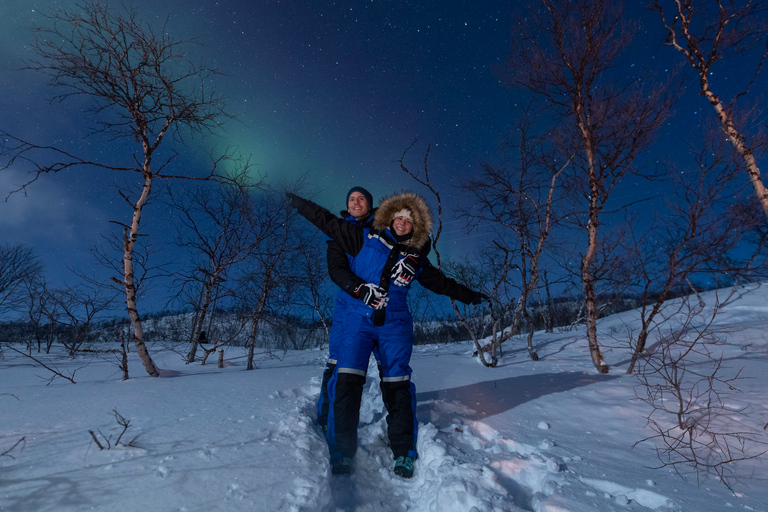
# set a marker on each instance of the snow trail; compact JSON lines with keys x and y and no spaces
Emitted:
{"x":464,"y":466}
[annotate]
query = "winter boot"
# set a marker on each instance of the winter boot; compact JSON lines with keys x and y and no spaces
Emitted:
{"x":342,"y":467}
{"x":404,"y":466}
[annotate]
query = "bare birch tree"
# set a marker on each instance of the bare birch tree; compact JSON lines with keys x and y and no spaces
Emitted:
{"x":565,"y":54}
{"x":694,"y":422}
{"x":79,"y":307}
{"x":517,"y":199}
{"x":706,"y":33}
{"x":19,"y":265}
{"x":311,"y":274}
{"x":272,"y":227}
{"x":143,"y":86}
{"x":491,"y":270}
{"x":696,"y":234}
{"x":748,"y":215}
{"x":42,"y":312}
{"x":215,"y":228}
{"x":422,"y":177}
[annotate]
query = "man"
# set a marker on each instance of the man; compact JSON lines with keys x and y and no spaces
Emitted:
{"x":359,"y":212}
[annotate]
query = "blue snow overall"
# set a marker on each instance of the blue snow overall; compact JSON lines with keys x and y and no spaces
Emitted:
{"x":343,"y":301}
{"x":392,"y":328}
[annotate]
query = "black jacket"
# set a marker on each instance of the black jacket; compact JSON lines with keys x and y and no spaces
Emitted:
{"x":338,"y":260}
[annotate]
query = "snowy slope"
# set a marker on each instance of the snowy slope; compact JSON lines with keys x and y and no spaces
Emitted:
{"x":546,"y":436}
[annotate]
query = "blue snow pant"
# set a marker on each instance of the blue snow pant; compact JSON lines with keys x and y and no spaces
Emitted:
{"x":335,"y":341}
{"x":345,"y":387}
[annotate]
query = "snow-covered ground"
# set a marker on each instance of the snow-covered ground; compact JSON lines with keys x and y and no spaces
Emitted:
{"x":546,"y":436}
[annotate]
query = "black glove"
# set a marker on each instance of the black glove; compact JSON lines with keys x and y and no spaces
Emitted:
{"x":479,"y":298}
{"x":404,"y":270}
{"x":373,"y":295}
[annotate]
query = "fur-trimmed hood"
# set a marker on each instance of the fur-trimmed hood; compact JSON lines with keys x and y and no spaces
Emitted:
{"x":422,"y":217}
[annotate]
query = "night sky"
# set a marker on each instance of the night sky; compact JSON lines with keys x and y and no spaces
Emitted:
{"x":334,"y":89}
{"x":337,"y":90}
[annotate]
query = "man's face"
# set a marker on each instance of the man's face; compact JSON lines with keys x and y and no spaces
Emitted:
{"x":402,"y":225}
{"x":357,"y":205}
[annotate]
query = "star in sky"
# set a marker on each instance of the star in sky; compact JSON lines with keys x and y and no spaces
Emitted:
{"x":334,"y":90}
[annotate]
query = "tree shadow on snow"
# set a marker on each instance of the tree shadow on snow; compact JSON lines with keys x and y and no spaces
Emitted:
{"x":483,"y":399}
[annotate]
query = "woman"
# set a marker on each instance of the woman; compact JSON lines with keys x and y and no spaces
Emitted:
{"x":386,"y":258}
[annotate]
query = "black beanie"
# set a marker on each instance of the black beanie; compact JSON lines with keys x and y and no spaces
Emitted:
{"x":368,"y":196}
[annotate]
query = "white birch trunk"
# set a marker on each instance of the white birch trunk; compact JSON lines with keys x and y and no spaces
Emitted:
{"x":129,"y":242}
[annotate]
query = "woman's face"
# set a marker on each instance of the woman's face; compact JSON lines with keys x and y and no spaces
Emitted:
{"x":402,"y":226}
{"x":357,"y":205}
